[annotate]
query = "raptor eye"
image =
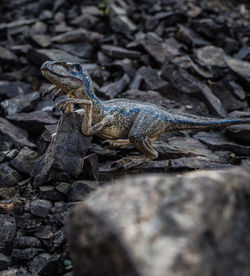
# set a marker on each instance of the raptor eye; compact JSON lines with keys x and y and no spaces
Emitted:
{"x":75,"y":69}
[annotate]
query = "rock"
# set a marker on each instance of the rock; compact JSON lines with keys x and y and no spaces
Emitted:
{"x":63,"y":188}
{"x":119,"y":52}
{"x":41,"y":40}
{"x":215,"y":141}
{"x":156,"y":48}
{"x":50,"y":193}
{"x":145,"y":221}
{"x":189,"y":37}
{"x":15,"y":272}
{"x":40,"y":207}
{"x":211,"y":56}
{"x":39,"y":56}
{"x":7,"y":233}
{"x":34,"y":121}
{"x":25,"y":254}
{"x":79,"y":189}
{"x":63,"y":160}
{"x":147,"y":78}
{"x":8,"y":176}
{"x":186,"y":83}
{"x":240,"y":133}
{"x":114,"y":88}
{"x":119,"y":21}
{"x":243,"y":53}
{"x":44,"y":264}
{"x":237,"y":90}
{"x":90,"y":167}
{"x":7,"y":55}
{"x":14,"y":134}
{"x":5,"y":262}
{"x":59,"y":237}
{"x":81,"y":49}
{"x":25,"y":160}
{"x":27,"y":242}
{"x":241,"y":68}
{"x":20,"y":103}
{"x":79,"y":35}
{"x":14,"y":207}
{"x":13,"y":89}
{"x":45,"y":233}
{"x":229,"y":101}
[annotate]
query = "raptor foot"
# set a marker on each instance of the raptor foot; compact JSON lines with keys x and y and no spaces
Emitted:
{"x":129,"y":162}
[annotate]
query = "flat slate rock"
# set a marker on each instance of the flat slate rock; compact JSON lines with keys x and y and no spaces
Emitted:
{"x":20,"y":103}
{"x":215,"y":141}
{"x":33,"y":121}
{"x":13,"y":89}
{"x":119,"y":52}
{"x":13,"y":134}
{"x":241,"y":68}
{"x":211,"y":56}
{"x":63,"y":159}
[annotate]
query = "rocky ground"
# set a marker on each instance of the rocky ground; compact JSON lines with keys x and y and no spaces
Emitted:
{"x":188,"y":56}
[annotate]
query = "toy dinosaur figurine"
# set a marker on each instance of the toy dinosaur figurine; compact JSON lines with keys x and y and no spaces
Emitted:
{"x":122,"y":120}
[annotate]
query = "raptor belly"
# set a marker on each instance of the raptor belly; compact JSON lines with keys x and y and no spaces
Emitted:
{"x":113,"y":132}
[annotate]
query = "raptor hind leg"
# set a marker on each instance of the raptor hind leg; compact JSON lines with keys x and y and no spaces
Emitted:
{"x":143,"y":128}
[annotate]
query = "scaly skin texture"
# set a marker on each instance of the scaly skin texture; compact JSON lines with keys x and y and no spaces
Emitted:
{"x":122,"y":120}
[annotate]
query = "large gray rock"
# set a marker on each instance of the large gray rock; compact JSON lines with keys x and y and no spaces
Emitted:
{"x":63,"y":158}
{"x":157,"y":225}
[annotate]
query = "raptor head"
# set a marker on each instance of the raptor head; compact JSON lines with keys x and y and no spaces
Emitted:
{"x":66,"y":75}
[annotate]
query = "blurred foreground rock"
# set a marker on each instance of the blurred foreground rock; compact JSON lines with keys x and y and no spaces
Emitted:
{"x":63,"y":158}
{"x":159,"y":225}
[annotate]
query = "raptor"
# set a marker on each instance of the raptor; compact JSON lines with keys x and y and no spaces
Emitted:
{"x":121,"y":120}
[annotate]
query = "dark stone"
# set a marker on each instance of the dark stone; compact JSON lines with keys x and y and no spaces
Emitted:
{"x":119,"y":21}
{"x":20,"y":103}
{"x":8,"y":176}
{"x":237,"y":90}
{"x":12,"y":206}
{"x":229,"y":101}
{"x":63,"y":160}
{"x":240,"y":133}
{"x":7,"y":55}
{"x":80,"y":189}
{"x":25,"y":160}
{"x":81,"y":49}
{"x":5,"y":262}
{"x":50,"y":193}
{"x":215,"y":141}
{"x":39,"y":56}
{"x":186,"y":83}
{"x":7,"y":233}
{"x":241,"y":68}
{"x":34,"y":122}
{"x":189,"y":37}
{"x":13,"y":89}
{"x":41,"y":40}
{"x":158,"y":49}
{"x":79,"y":35}
{"x":243,"y":53}
{"x":114,"y":88}
{"x":45,"y":233}
{"x":211,"y":56}
{"x":31,"y":226}
{"x":40,"y":207}
{"x":44,"y":264}
{"x":90,"y":167}
{"x":86,"y":21}
{"x":25,"y":254}
{"x":59,"y":238}
{"x":149,"y":80}
{"x":161,"y":213}
{"x":13,"y":134}
{"x":119,"y":52}
{"x":63,"y":187}
{"x":15,"y":272}
{"x":27,"y":242}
